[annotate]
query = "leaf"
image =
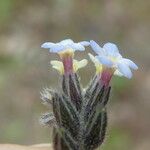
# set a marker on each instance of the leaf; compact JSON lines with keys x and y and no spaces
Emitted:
{"x":66,"y":115}
{"x":89,"y":90}
{"x":63,"y":140}
{"x":71,"y":88}
{"x":96,"y":133}
{"x":75,"y":93}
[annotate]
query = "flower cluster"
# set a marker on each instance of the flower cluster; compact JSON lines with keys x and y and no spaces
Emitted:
{"x":79,"y":116}
{"x":108,"y":60}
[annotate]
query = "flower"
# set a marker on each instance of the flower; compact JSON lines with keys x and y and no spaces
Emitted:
{"x":109,"y":56}
{"x":58,"y":65}
{"x":65,"y":49}
{"x":99,"y":66}
{"x":64,"y":45}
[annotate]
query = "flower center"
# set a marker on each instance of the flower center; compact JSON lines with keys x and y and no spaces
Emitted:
{"x":66,"y":53}
{"x":113,"y":59}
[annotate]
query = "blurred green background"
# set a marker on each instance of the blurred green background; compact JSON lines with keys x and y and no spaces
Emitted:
{"x":25,"y":69}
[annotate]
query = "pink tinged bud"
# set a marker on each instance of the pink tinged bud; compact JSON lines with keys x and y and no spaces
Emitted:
{"x":67,"y":60}
{"x":106,"y":76}
{"x":68,"y":65}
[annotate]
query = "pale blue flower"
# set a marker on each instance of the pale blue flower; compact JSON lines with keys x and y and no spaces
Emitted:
{"x":109,"y":56}
{"x":65,"y":45}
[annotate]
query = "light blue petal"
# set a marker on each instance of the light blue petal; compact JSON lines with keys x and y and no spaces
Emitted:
{"x":96,"y":47}
{"x":77,"y":46}
{"x":105,"y":61}
{"x":47,"y":45}
{"x":85,"y":43}
{"x":66,"y":42}
{"x":118,"y":73}
{"x":57,"y":48}
{"x":118,"y":55}
{"x":130,"y":63}
{"x":111,"y":49}
{"x":124,"y":69}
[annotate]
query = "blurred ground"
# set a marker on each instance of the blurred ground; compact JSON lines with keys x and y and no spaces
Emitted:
{"x":21,"y":147}
{"x":25,"y":70}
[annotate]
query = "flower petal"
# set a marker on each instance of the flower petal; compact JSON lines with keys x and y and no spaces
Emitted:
{"x":47,"y":45}
{"x":77,"y":46}
{"x":105,"y":61}
{"x":130,"y":63}
{"x":82,"y":63}
{"x":96,"y":62}
{"x":124,"y":69}
{"x":65,"y":45}
{"x":118,"y":73}
{"x":85,"y":43}
{"x":57,"y":48}
{"x":111,"y":49}
{"x":58,"y":65}
{"x":96,"y":47}
{"x":79,"y":64}
{"x":66,"y":42}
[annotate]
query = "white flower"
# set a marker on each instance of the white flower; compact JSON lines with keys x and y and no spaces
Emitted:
{"x":65,"y":45}
{"x":109,"y":56}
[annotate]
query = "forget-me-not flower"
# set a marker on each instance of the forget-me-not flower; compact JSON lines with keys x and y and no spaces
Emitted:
{"x":65,"y":45}
{"x":109,"y":56}
{"x":66,"y":49}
